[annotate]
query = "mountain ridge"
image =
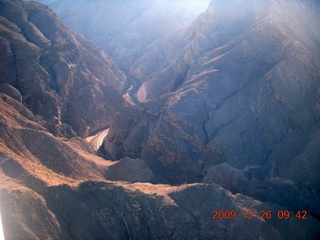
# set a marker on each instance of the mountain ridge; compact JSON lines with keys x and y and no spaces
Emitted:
{"x":245,"y":101}
{"x":236,"y":128}
{"x":45,"y":69}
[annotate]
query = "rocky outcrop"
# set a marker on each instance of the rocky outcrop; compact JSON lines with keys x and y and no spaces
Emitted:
{"x":118,"y":211}
{"x":130,"y":170}
{"x":243,"y":93}
{"x":162,"y":212}
{"x":62,"y":77}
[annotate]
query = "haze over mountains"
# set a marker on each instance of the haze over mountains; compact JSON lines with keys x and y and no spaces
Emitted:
{"x":223,"y":114}
{"x":125,"y":28}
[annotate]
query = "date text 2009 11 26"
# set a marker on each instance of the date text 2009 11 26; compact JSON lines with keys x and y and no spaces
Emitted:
{"x":263,"y":215}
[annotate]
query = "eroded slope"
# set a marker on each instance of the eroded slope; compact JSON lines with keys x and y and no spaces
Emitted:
{"x":238,"y":104}
{"x":61,"y":76}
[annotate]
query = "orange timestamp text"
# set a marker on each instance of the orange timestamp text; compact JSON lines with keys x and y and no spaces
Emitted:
{"x":263,"y":214}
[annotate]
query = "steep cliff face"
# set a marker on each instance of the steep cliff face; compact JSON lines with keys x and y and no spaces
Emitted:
{"x":62,"y":77}
{"x":240,"y":96}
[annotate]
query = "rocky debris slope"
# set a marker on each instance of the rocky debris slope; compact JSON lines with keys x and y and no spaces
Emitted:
{"x":61,"y":76}
{"x":103,"y":210}
{"x":145,"y":211}
{"x":240,"y":98}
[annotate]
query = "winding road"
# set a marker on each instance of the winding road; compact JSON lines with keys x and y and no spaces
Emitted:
{"x":129,"y":94}
{"x":96,"y":140}
{"x":100,"y":137}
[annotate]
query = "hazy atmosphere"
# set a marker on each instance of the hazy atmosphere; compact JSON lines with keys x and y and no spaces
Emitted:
{"x":160,"y":119}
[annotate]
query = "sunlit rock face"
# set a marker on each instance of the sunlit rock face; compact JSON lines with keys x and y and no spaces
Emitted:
{"x":242,"y":89}
{"x":55,"y":189}
{"x":60,"y":76}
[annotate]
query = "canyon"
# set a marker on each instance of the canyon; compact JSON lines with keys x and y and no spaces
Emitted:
{"x":193,"y":109}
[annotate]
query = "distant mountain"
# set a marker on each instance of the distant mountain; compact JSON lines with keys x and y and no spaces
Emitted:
{"x":61,"y":76}
{"x":125,"y":28}
{"x":235,"y":101}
